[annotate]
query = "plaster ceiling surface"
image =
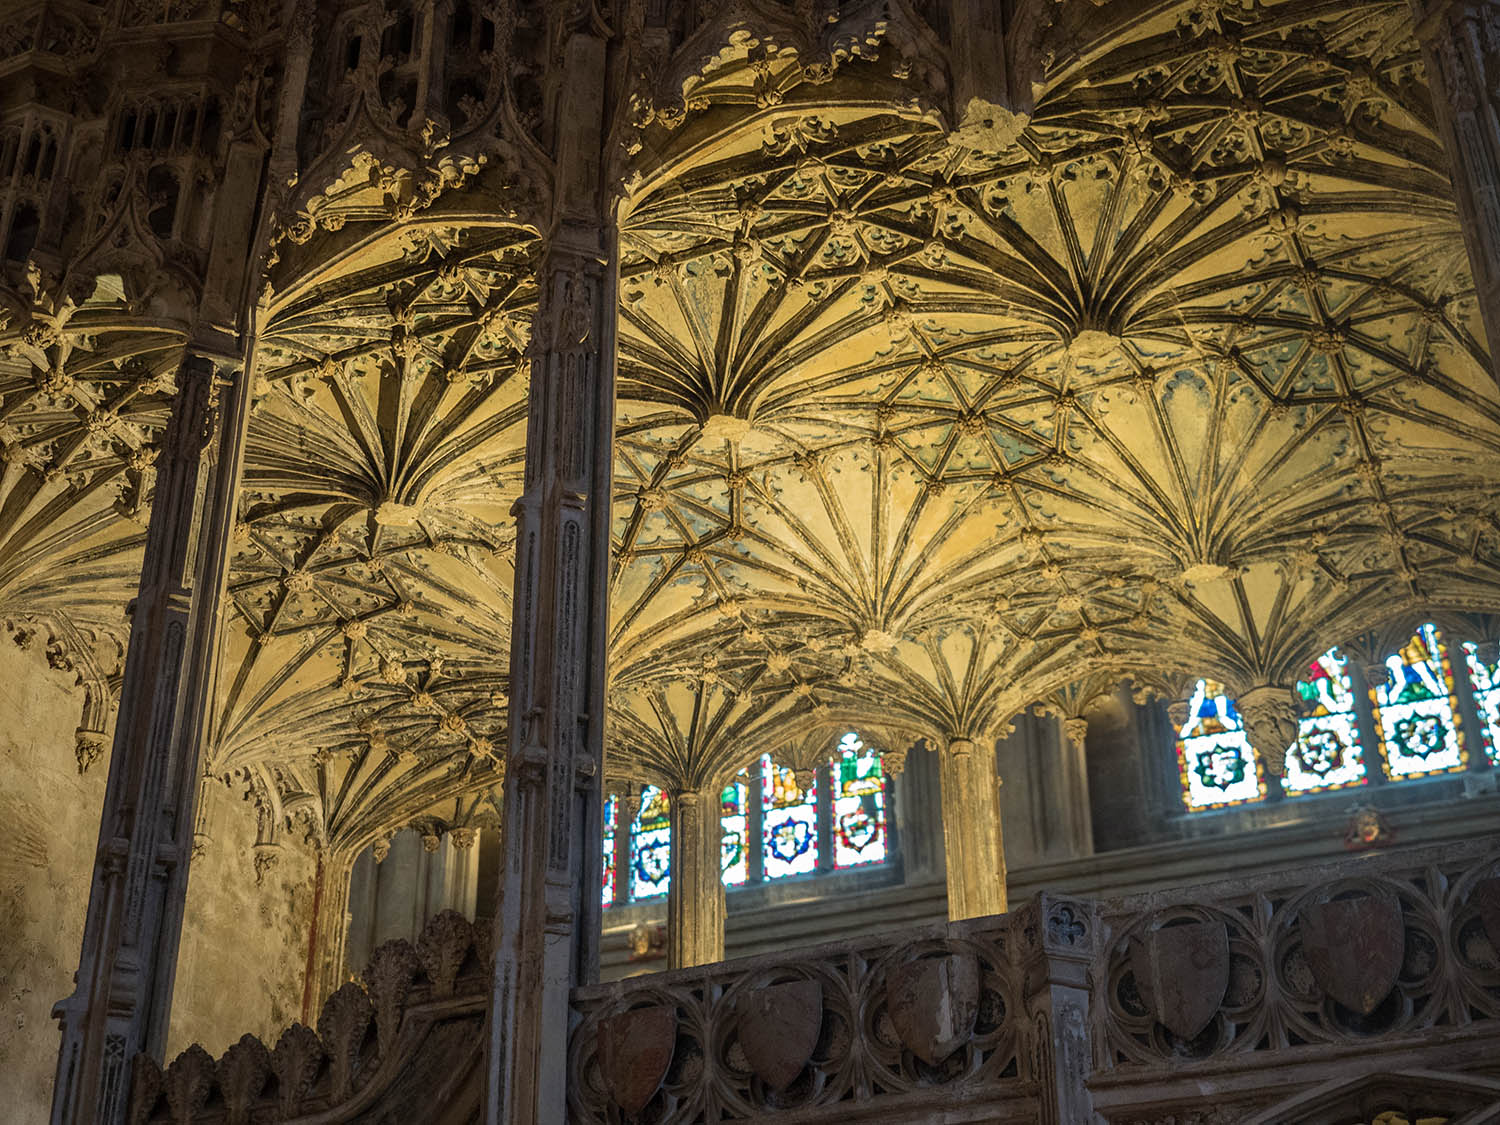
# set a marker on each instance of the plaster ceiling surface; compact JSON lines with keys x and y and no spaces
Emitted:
{"x":1189,"y":377}
{"x":1186,"y":377}
{"x":373,"y":569}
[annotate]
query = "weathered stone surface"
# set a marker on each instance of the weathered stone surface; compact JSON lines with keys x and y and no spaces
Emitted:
{"x":1354,"y":948}
{"x":933,"y":1003}
{"x":779,"y":1027}
{"x":635,"y":1050}
{"x":1182,"y":971}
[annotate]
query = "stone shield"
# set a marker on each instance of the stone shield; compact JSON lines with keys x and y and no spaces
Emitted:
{"x":934,"y":1003}
{"x":1354,"y":948}
{"x":1182,"y":973}
{"x":1486,"y":897}
{"x":635,"y":1050}
{"x":779,"y":1028}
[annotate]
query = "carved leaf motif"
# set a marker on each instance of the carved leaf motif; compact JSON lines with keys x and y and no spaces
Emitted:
{"x":242,"y":1073}
{"x":189,"y":1081}
{"x":388,"y":977}
{"x":445,"y":942}
{"x":146,"y":1088}
{"x":295,"y":1062}
{"x":341,"y":1026}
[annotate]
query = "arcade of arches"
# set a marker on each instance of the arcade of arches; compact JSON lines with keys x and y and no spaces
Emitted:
{"x":625,"y":481}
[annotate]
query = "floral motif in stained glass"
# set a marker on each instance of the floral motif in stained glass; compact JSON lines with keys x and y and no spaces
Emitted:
{"x":735,"y":861}
{"x":859,"y":827}
{"x":1484,"y":674}
{"x":1215,"y":763}
{"x":789,"y":824}
{"x":651,"y":846}
{"x":1415,"y":711}
{"x":1327,"y":753}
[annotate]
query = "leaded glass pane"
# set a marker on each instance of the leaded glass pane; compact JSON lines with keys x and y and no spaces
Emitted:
{"x":735,"y":861}
{"x":1327,"y":753}
{"x":611,"y":815}
{"x":1415,"y":711}
{"x":651,"y":846}
{"x":859,"y":828}
{"x":1215,"y":763}
{"x":789,"y":826}
{"x":1484,"y":674}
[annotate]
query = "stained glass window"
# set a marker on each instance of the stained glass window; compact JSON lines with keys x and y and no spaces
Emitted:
{"x":789,"y":828}
{"x":735,"y":822}
{"x":1327,"y":753}
{"x":1484,"y":674}
{"x":859,"y":828}
{"x":1415,"y":711}
{"x":651,"y":846}
{"x":611,"y":816}
{"x":1214,"y":759}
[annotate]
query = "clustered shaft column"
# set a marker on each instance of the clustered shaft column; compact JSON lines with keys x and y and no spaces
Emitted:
{"x":971,"y":831}
{"x":548,"y":919}
{"x":695,"y":896}
{"x":136,"y":901}
{"x":1461,"y":40}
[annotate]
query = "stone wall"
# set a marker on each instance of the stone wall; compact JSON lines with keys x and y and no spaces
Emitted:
{"x":243,"y":962}
{"x":50,"y":819}
{"x":244,"y":946}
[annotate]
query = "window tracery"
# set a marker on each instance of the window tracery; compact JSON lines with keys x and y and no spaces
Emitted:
{"x":774,"y":825}
{"x":1414,"y":715}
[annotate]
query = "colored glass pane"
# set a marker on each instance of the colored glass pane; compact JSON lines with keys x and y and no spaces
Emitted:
{"x":859,"y":828}
{"x":1327,"y":753}
{"x":1415,"y":711}
{"x":651,"y":846}
{"x":789,"y":823}
{"x":1484,"y":674}
{"x":611,"y":816}
{"x":735,"y":860}
{"x":1214,"y":759}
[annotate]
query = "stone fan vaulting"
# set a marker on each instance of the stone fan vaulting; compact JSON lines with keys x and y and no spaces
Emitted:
{"x":945,"y":384}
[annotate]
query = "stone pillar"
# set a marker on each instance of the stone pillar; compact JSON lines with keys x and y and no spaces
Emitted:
{"x":1053,"y":952}
{"x":133,"y":927}
{"x":327,"y":962}
{"x":547,"y":930}
{"x":1461,"y":41}
{"x":972,"y":837}
{"x":1077,"y":813}
{"x":695,"y":896}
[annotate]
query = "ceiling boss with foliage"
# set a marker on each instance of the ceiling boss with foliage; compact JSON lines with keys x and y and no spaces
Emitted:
{"x":962,"y":357}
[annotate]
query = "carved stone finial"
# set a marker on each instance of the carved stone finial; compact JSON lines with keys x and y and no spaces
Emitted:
{"x":893,"y":762}
{"x":431,"y":842}
{"x":463,"y":838}
{"x":1177,"y":714}
{"x":380,"y":849}
{"x":1077,"y":729}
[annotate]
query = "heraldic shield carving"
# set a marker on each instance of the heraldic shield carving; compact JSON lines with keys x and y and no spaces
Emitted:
{"x":635,"y":1050}
{"x":1182,"y":972}
{"x":779,"y":1028}
{"x":934,"y":1003}
{"x":1486,"y":898}
{"x":1354,"y":947}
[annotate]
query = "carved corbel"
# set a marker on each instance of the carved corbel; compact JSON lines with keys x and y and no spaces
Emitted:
{"x":1270,"y":714}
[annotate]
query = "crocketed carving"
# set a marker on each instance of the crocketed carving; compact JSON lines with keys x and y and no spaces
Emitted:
{"x":342,"y":1026}
{"x":445,"y":942}
{"x":295,"y":1062}
{"x":388,"y":977}
{"x":188,"y":1082}
{"x":242,"y":1074}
